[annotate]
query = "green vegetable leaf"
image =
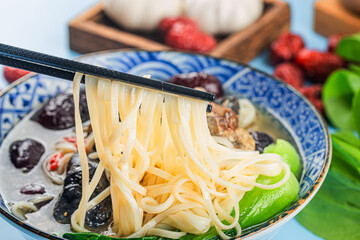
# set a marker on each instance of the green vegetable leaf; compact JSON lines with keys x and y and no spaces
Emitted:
{"x":348,"y":152}
{"x":96,"y":236}
{"x":210,"y":235}
{"x":355,"y":68}
{"x":344,"y":172}
{"x":259,"y":204}
{"x":349,"y":48}
{"x":356,"y":111}
{"x":348,"y":137}
{"x":337,"y":95}
{"x":329,"y":219}
{"x":288,"y":154}
{"x":334,"y":213}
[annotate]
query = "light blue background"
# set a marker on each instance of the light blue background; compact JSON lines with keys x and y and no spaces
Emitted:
{"x":41,"y":25}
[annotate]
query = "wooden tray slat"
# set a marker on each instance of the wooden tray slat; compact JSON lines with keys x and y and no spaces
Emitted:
{"x":92,"y":31}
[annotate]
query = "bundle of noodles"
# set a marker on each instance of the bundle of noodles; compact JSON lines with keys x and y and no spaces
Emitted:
{"x":167,"y":172}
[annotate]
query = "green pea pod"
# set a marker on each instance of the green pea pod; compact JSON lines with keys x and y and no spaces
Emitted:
{"x":288,"y":154}
{"x":259,"y":204}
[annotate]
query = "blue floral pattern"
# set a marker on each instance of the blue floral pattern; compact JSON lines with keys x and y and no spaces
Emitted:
{"x":284,"y":103}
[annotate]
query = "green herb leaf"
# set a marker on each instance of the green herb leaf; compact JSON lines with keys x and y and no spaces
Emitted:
{"x":349,"y":48}
{"x":337,"y":95}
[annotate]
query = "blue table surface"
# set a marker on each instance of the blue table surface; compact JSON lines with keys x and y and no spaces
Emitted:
{"x":41,"y":25}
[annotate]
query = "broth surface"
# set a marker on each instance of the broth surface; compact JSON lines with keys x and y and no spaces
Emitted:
{"x":12,"y":179}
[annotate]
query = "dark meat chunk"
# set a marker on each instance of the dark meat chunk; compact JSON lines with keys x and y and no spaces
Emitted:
{"x":99,"y":217}
{"x":32,"y":189}
{"x":262,"y":140}
{"x":26,"y":153}
{"x":199,"y":79}
{"x":229,"y":102}
{"x":223,"y":122}
{"x":221,"y":119}
{"x":58,"y":113}
{"x":241,"y":139}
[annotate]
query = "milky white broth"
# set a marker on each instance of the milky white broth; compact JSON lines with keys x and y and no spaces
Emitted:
{"x":12,"y":179}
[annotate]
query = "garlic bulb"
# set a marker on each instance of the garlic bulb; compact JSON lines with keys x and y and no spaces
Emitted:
{"x":141,"y":15}
{"x":223,"y":16}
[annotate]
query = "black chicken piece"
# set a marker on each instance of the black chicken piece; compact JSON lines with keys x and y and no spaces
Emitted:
{"x":99,"y":217}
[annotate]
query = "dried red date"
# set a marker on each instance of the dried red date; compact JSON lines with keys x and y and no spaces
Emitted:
{"x":32,"y":189}
{"x":291,"y":74}
{"x":58,"y":113}
{"x":285,"y":48}
{"x":318,"y":65}
{"x":26,"y":153}
{"x":194,"y":79}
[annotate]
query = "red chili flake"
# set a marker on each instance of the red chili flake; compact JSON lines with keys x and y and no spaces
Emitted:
{"x":71,"y":139}
{"x":54,"y":161}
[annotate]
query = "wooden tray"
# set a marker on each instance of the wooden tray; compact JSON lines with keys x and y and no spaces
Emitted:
{"x":93,"y":31}
{"x":331,"y":17}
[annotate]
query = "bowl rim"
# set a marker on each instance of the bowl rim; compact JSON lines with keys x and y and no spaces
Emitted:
{"x":270,"y":224}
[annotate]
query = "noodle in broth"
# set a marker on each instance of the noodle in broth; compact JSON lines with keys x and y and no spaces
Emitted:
{"x":167,"y":173}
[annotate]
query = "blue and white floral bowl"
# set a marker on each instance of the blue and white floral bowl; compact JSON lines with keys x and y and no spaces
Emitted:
{"x":286,"y":105}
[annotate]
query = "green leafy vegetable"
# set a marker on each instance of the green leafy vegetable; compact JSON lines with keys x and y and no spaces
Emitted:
{"x":348,"y":152}
{"x":349,"y":48}
{"x":347,"y":136}
{"x":288,"y":153}
{"x":355,"y":68}
{"x":334,"y":213}
{"x":96,"y":236}
{"x":356,"y":111}
{"x":210,"y":235}
{"x":259,"y":204}
{"x":337,"y":95}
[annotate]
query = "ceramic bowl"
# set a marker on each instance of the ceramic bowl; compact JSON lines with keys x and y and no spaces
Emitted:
{"x":280,"y":100}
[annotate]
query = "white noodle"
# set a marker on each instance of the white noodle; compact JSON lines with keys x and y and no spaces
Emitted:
{"x":167,"y":173}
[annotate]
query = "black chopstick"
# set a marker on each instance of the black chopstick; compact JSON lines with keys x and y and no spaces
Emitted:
{"x":66,"y":69}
